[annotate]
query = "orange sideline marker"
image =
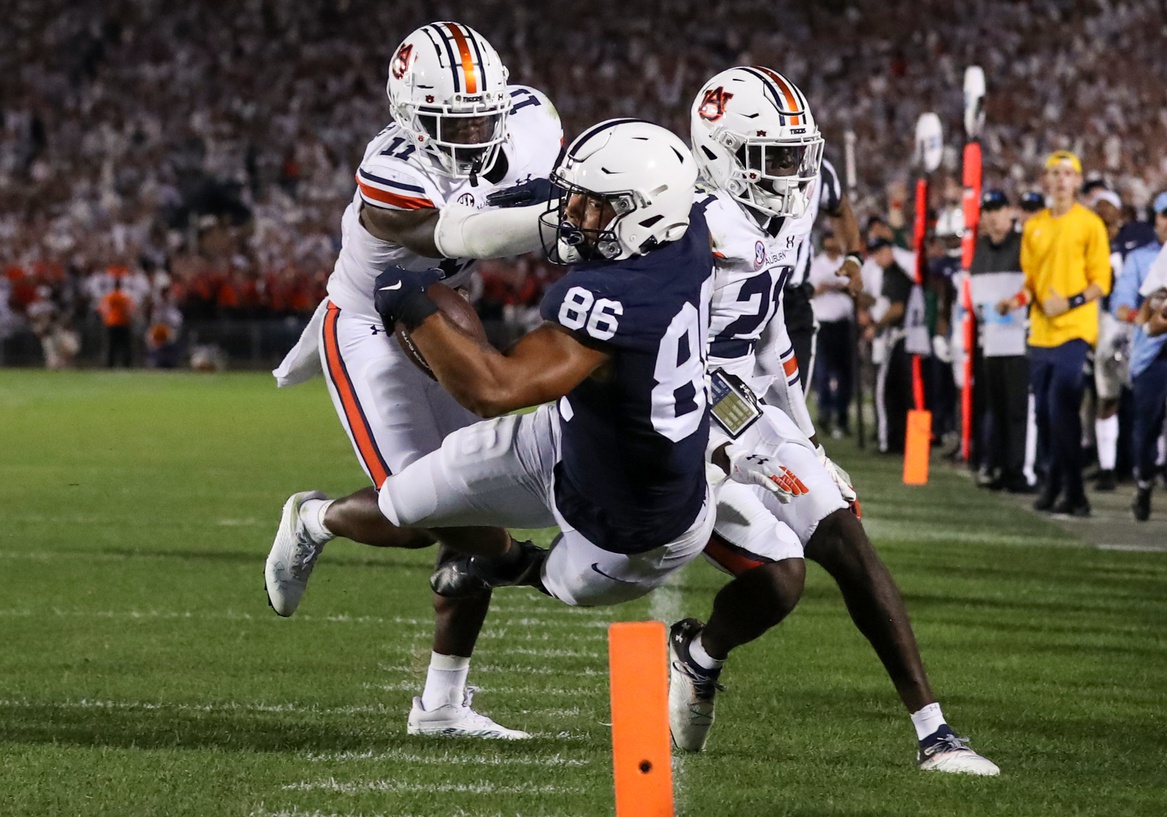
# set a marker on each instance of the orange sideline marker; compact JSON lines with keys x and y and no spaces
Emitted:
{"x":641,"y":746}
{"x":917,"y":447}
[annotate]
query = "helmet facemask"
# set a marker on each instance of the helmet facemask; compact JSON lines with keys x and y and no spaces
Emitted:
{"x":465,"y":141}
{"x":774,"y":176}
{"x":584,"y":224}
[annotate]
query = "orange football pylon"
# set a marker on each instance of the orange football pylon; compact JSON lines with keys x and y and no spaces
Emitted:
{"x":641,"y":746}
{"x":917,"y":447}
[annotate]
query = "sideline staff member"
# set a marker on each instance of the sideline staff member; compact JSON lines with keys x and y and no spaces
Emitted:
{"x":1065,"y":255}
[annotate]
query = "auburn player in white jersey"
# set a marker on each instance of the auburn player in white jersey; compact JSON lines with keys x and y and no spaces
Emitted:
{"x":759,"y":150}
{"x":459,"y":132}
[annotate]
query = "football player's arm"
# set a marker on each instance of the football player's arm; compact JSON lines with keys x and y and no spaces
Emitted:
{"x":458,"y":230}
{"x":412,"y":229}
{"x":543,"y":366}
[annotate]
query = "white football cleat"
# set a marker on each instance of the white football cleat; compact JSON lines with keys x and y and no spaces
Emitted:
{"x":948,"y":753}
{"x":692,"y":689}
{"x":292,"y":557}
{"x":458,"y":721}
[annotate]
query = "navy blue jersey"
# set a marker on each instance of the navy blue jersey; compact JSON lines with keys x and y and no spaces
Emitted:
{"x":631,"y":476}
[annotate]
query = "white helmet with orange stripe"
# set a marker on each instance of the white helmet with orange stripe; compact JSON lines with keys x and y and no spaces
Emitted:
{"x":754,"y":136}
{"x":448,"y":90}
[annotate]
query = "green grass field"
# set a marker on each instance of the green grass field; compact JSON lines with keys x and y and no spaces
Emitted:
{"x":142,"y":672}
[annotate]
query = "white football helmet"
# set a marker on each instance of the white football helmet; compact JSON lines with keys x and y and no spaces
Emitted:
{"x":754,"y":136}
{"x":627,"y":187}
{"x":448,"y":91}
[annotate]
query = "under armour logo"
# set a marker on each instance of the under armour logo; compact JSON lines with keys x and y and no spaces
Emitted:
{"x":376,"y":330}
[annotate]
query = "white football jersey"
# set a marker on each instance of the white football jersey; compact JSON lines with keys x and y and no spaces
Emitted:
{"x":395,"y":175}
{"x":752,"y":267}
{"x":746,"y":322}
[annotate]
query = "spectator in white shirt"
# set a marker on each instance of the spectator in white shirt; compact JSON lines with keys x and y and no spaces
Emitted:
{"x":834,"y":311}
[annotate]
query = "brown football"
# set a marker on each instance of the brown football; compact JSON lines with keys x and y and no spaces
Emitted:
{"x":456,"y":309}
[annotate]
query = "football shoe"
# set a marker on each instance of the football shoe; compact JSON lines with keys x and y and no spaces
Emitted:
{"x":458,"y":721}
{"x":692,"y":689}
{"x":472,"y":575}
{"x":943,"y":751}
{"x":292,"y":557}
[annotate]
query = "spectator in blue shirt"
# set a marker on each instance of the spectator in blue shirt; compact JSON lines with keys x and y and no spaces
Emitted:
{"x":1148,"y":362}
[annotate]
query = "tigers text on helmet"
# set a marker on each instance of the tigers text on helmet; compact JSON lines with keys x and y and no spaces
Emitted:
{"x":754,"y":136}
{"x":627,"y":188}
{"x":448,"y":91}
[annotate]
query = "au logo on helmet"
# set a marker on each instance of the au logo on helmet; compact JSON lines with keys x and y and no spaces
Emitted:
{"x":401,"y":61}
{"x":712,"y":106}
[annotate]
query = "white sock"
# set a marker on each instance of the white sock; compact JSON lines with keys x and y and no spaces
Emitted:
{"x":927,"y":720}
{"x":312,"y":515}
{"x":1161,"y":455}
{"x":1106,"y":437}
{"x":445,"y":683}
{"x":703,"y":659}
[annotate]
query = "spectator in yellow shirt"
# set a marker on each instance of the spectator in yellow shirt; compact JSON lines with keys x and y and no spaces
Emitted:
{"x":1065,"y":255}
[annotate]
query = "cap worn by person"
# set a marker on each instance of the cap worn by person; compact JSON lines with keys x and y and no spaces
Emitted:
{"x":1032,"y":201}
{"x":1108,"y":196}
{"x":877,"y":243}
{"x":1159,"y":205}
{"x":1059,"y":157}
{"x":993,"y":199}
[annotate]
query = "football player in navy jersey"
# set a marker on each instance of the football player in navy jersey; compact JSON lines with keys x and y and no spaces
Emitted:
{"x":618,"y":461}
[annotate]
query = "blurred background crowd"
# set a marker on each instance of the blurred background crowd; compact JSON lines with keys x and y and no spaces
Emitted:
{"x":202,"y":154}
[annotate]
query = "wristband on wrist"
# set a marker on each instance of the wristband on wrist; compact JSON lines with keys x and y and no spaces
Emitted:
{"x":1077,"y":300}
{"x":853,"y":257}
{"x":1021,"y":299}
{"x":414,"y":308}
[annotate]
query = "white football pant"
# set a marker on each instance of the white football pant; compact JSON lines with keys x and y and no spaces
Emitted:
{"x":500,"y":473}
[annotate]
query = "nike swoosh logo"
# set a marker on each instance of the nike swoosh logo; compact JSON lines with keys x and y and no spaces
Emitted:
{"x":395,"y":286}
{"x":596,"y":567}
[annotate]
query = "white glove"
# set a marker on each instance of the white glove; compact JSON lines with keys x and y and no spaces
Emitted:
{"x":842,"y":478}
{"x":941,"y":348}
{"x":749,"y":468}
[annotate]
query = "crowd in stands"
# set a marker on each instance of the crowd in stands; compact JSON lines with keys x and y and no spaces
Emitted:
{"x":209,"y":148}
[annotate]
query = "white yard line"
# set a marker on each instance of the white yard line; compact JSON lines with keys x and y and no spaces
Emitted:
{"x":296,"y":811}
{"x":1133,"y":548}
{"x":666,"y":605}
{"x":586,"y":672}
{"x":491,"y":689}
{"x":225,"y":706}
{"x":449,"y":758}
{"x":401,"y":786}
